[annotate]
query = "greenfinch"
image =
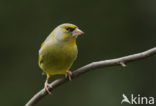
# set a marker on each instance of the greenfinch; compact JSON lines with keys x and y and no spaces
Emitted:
{"x":59,"y":51}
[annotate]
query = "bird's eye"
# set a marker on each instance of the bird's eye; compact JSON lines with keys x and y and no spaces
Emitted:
{"x":69,"y":29}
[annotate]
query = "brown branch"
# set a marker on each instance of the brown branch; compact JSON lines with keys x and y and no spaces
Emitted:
{"x":94,"y":65}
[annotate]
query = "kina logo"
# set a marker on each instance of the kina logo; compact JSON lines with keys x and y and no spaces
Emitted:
{"x":137,"y":99}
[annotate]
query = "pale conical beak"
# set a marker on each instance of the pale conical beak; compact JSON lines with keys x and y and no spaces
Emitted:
{"x":77,"y":32}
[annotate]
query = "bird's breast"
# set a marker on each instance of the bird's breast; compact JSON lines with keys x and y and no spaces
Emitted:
{"x":59,"y":58}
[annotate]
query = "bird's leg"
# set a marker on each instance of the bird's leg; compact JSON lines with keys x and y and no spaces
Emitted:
{"x":46,"y":85}
{"x":68,"y":74}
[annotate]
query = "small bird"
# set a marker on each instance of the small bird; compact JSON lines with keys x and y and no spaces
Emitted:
{"x":59,"y":51}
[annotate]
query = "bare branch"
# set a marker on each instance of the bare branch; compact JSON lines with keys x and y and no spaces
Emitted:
{"x":94,"y":65}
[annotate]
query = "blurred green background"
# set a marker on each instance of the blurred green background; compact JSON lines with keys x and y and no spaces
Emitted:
{"x":112,"y":29}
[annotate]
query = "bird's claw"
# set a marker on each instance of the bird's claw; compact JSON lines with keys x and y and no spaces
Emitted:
{"x":68,"y":75}
{"x":46,"y":87}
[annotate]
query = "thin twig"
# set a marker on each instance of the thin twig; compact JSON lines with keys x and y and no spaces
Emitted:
{"x":94,"y":65}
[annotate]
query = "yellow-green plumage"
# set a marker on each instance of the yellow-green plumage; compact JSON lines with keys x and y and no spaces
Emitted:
{"x":58,"y":51}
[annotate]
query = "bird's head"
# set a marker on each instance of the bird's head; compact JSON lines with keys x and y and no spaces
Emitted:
{"x":67,"y":32}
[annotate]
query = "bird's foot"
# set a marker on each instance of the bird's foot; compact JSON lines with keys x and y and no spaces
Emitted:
{"x":46,"y":87}
{"x":68,"y":75}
